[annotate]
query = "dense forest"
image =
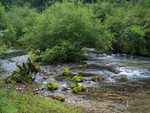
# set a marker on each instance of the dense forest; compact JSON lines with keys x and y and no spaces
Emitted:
{"x":57,"y":31}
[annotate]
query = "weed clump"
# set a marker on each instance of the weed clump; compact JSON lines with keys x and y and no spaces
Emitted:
{"x":52,"y":86}
{"x":79,"y":89}
{"x":78,"y":78}
{"x":80,"y":72}
{"x":66,"y":71}
{"x":57,"y":98}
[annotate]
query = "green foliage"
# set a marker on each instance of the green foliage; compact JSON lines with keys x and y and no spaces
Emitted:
{"x":14,"y":102}
{"x":73,"y":86}
{"x":130,"y":25}
{"x":123,"y":79}
{"x":22,"y":18}
{"x":78,"y":78}
{"x":58,"y":98}
{"x":97,"y":78}
{"x":23,"y":73}
{"x":80,"y":72}
{"x":80,"y":66}
{"x":63,"y":30}
{"x":8,"y":36}
{"x":55,"y":74}
{"x":52,"y":86}
{"x":79,"y":89}
{"x":100,"y":78}
{"x":93,"y":78}
{"x":66,"y":71}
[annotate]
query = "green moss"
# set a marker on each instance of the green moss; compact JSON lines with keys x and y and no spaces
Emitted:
{"x":83,"y":58}
{"x":64,"y":89}
{"x":93,"y":78}
{"x":80,"y":72}
{"x":79,"y":89}
{"x":69,"y":79}
{"x":78,"y":78}
{"x":66,"y":73}
{"x":52,"y":86}
{"x":53,"y":70}
{"x":80,"y":66}
{"x":123,"y":79}
{"x":10,"y":60}
{"x":54,"y":74}
{"x":118,"y":65}
{"x":83,"y":88}
{"x":57,"y":98}
{"x":100,"y":78}
{"x":73,"y":86}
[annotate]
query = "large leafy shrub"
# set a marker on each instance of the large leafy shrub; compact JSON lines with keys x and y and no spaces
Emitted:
{"x":64,"y":29}
{"x":8,"y":37}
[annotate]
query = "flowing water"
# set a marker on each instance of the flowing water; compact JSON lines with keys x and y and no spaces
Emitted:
{"x":110,"y":95}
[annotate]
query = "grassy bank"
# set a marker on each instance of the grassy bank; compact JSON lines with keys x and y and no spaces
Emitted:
{"x":15,"y":102}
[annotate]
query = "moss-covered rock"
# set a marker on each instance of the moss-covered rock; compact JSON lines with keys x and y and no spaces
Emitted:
{"x":123,"y":79}
{"x":80,"y":72}
{"x":57,"y":98}
{"x":74,"y":85}
{"x":94,"y":78}
{"x":52,"y":70}
{"x":100,"y":78}
{"x":79,"y":89}
{"x":54,"y":74}
{"x":78,"y":78}
{"x":80,"y":66}
{"x":52,"y":86}
{"x":69,"y":79}
{"x":64,"y":89}
{"x":66,"y":73}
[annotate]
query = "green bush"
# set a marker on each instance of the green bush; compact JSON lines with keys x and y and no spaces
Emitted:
{"x":78,"y":78}
{"x":79,"y":89}
{"x":52,"y":86}
{"x":67,"y":27}
{"x":9,"y":36}
{"x":66,"y":71}
{"x":73,"y":86}
{"x":130,"y":27}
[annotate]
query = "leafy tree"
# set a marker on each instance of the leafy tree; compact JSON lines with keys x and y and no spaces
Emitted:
{"x":8,"y":37}
{"x":131,"y":28}
{"x":64,"y":29}
{"x":21,"y":18}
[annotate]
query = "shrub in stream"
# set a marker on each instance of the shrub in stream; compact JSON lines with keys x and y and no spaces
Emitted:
{"x":80,"y":72}
{"x":79,"y":89}
{"x":66,"y":71}
{"x":74,"y":85}
{"x":100,"y":78}
{"x":52,"y":86}
{"x":78,"y":78}
{"x":93,"y":78}
{"x":123,"y":79}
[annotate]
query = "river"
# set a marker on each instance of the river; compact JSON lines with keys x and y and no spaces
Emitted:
{"x":110,"y":95}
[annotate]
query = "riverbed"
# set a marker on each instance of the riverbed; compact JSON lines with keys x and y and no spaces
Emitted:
{"x":109,"y":95}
